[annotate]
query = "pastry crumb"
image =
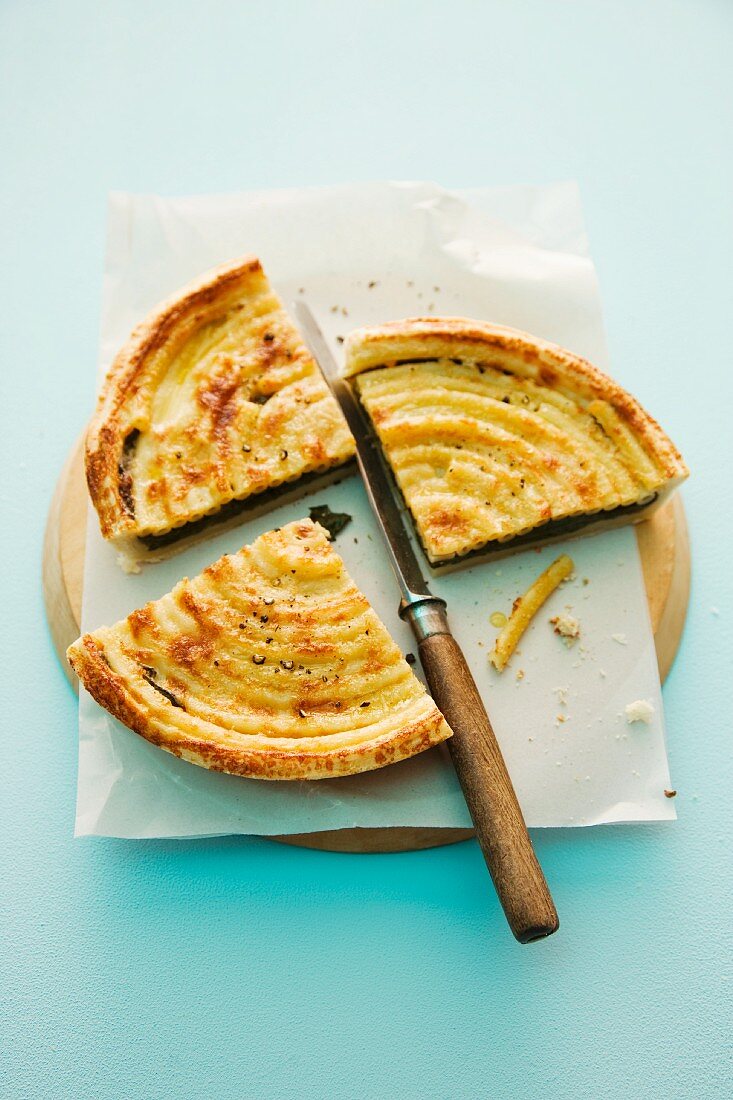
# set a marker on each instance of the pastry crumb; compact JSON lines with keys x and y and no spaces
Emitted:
{"x":670,"y":794}
{"x":620,"y":638}
{"x":562,"y":695}
{"x":520,"y":674}
{"x":128,"y":563}
{"x":567,"y":627}
{"x":641,"y":710}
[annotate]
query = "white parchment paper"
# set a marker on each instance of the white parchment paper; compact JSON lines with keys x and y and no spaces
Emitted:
{"x":517,"y":256}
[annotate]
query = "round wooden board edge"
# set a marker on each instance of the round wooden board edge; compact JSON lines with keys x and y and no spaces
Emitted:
{"x":666,"y":578}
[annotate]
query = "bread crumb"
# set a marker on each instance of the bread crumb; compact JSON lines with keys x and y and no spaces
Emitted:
{"x":670,"y":794}
{"x":641,"y":710}
{"x":520,"y":674}
{"x":620,"y":638}
{"x":562,"y":695}
{"x":560,"y":718}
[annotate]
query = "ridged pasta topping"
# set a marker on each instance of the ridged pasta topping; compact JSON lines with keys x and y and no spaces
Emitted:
{"x":491,"y":435}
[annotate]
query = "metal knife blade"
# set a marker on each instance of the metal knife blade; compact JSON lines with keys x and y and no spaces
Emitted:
{"x":375,"y":473}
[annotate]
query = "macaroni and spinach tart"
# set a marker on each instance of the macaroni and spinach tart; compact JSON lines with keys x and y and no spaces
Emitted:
{"x":213,"y":406}
{"x":270,"y":664}
{"x":498,"y":439}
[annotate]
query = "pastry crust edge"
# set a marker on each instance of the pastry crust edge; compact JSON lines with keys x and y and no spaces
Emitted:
{"x":87,"y":659}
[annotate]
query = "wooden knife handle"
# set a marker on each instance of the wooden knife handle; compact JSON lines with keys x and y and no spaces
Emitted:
{"x":497,"y":816}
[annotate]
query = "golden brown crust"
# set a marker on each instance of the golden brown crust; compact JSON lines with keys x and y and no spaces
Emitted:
{"x":496,"y":436}
{"x":270,"y":665}
{"x":200,"y":406}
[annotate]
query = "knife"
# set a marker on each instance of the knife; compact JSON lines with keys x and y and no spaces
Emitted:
{"x":492,"y":803}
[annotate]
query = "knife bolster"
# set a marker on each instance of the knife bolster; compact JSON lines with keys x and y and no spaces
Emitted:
{"x":427,"y":616}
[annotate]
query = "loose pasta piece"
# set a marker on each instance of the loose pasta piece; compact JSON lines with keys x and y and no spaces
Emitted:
{"x":526,"y":607}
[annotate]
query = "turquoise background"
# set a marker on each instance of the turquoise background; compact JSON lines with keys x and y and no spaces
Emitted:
{"x":238,"y":968}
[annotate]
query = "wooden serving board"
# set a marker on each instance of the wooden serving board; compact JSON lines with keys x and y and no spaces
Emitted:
{"x":665,"y":558}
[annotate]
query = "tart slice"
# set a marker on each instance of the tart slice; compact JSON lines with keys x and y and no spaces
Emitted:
{"x":270,"y":664}
{"x":213,"y":406}
{"x":498,"y":439}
